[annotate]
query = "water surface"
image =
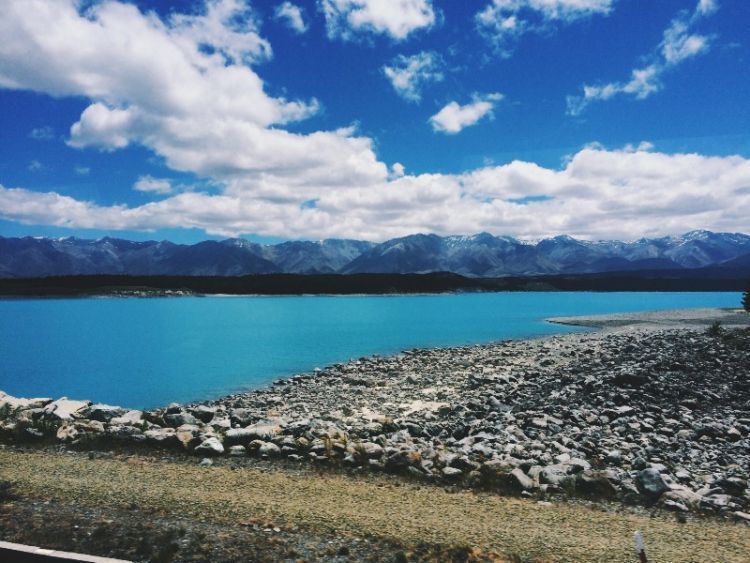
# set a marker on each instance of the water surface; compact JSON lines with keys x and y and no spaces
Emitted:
{"x":149,"y":352}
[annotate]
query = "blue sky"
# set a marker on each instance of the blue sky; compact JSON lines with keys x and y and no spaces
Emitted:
{"x":528,"y":119}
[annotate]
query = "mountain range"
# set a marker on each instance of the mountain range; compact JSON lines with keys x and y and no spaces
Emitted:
{"x":480,"y":255}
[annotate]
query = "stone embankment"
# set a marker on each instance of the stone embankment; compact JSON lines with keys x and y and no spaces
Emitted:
{"x":658,"y":417}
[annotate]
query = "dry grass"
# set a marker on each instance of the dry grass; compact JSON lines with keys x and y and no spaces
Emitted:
{"x":333,"y":503}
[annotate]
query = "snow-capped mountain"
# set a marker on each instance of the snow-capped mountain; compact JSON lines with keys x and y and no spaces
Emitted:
{"x":480,"y":255}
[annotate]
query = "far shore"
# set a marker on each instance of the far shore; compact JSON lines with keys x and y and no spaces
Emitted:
{"x":675,"y":318}
{"x":369,"y":284}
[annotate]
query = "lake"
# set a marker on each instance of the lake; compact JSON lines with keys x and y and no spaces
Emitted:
{"x":149,"y":352}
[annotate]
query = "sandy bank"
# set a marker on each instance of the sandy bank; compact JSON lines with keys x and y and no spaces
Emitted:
{"x":676,"y":318}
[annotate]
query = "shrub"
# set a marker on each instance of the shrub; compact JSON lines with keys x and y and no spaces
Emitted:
{"x":715,"y":329}
{"x":746,"y":299}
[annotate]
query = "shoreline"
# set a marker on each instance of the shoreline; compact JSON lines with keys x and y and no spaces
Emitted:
{"x":730,"y":317}
{"x":647,"y":413}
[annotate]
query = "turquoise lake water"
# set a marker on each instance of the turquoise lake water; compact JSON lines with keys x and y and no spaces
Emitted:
{"x":149,"y":352}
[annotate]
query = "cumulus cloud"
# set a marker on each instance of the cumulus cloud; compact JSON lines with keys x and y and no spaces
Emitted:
{"x":291,"y":15}
{"x":454,"y":118}
{"x":397,"y":19}
{"x":409,"y":75}
{"x":503,"y":22}
{"x":150,"y":184}
{"x":201,"y":107}
{"x":679,"y":43}
{"x":599,"y":193}
{"x":193,"y":105}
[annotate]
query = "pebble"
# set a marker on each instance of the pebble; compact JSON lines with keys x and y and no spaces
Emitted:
{"x":663,"y":416}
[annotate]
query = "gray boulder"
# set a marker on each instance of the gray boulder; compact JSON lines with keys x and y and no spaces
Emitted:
{"x":260,"y":431}
{"x":650,"y":483}
{"x":176,"y":420}
{"x":104,"y":413}
{"x":518,"y":480}
{"x":209,"y":447}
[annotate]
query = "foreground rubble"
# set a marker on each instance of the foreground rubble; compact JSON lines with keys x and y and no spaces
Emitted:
{"x":653,"y":417}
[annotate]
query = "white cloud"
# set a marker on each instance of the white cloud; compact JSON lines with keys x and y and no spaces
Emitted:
{"x":600,"y":193}
{"x":678,"y":44}
{"x":228,"y":26}
{"x":291,"y":15}
{"x":45,"y":133}
{"x":706,"y":7}
{"x":82,"y":170}
{"x":35,"y":166}
{"x":502,"y":22}
{"x":408,"y":75}
{"x":194,"y":104}
{"x":207,"y":112}
{"x":396,"y":18}
{"x":453,"y":118}
{"x":150,"y":184}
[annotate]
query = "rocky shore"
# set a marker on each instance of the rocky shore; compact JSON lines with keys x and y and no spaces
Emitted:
{"x":657,"y":416}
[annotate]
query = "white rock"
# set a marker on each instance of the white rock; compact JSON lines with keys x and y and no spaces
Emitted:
{"x":66,"y":409}
{"x":18,"y":403}
{"x":210,"y":446}
{"x":130,"y":418}
{"x":269,"y":449}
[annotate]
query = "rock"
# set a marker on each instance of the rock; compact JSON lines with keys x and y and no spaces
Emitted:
{"x":518,"y":480}
{"x":175,"y":420}
{"x":187,"y":435}
{"x":576,"y":465}
{"x":553,"y":474}
{"x":66,"y":409}
{"x":717,"y":502}
{"x":164,"y":437}
{"x":204,"y":413}
{"x":614,"y":457}
{"x":221,"y":423}
{"x":104,"y":413}
{"x":675,"y":506}
{"x":639,"y":463}
{"x":452,"y":472}
{"x":67,"y":433}
{"x":400,"y":460}
{"x":651,"y":483}
{"x":260,"y":431}
{"x":733,"y":435}
{"x":682,"y":495}
{"x":370,"y":450}
{"x":126,"y":433}
{"x":8,"y":401}
{"x":732,"y":485}
{"x":206,"y":462}
{"x":130,"y":418}
{"x":241,"y":417}
{"x":210,"y":447}
{"x":237,"y":451}
{"x":595,"y":484}
{"x":268,"y":449}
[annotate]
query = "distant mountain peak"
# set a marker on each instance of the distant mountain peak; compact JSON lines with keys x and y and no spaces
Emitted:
{"x":481,"y":254}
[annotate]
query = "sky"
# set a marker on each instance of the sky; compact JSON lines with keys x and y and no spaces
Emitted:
{"x":372,"y":119}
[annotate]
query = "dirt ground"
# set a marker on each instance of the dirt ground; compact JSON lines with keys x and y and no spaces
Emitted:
{"x":148,"y":509}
